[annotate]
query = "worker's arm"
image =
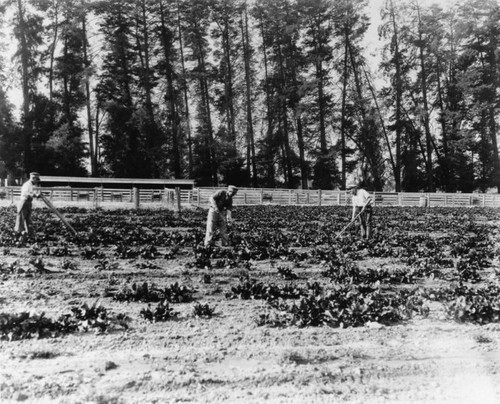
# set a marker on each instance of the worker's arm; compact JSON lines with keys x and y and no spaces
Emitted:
{"x":368,"y":199}
{"x":37,"y":192}
{"x":213,"y":201}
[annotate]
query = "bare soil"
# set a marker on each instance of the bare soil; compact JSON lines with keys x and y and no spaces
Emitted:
{"x":229,"y":358}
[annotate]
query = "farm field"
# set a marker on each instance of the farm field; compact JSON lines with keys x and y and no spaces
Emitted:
{"x":135,"y":310}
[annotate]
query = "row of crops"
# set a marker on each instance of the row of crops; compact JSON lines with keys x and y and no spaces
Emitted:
{"x":417,"y":260}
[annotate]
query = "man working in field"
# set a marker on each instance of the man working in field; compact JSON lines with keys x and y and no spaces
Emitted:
{"x":362,"y":205}
{"x":24,"y":208}
{"x":219,"y":214}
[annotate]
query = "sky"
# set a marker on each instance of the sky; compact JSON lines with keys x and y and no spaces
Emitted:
{"x":372,"y":44}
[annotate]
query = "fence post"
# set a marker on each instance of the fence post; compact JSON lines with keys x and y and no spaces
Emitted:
{"x":178,"y":197}
{"x":165,"y":196}
{"x":199,"y":197}
{"x":319,"y":197}
{"x":245,"y":195}
{"x":289,"y":196}
{"x":137,"y":197}
{"x":12,"y":195}
{"x":261,"y":196}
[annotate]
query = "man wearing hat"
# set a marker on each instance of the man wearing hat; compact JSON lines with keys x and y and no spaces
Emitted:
{"x":219,"y":214}
{"x":362,"y":207}
{"x":24,"y":208}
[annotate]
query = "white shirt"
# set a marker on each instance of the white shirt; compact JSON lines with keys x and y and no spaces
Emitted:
{"x":361,"y":198}
{"x":27,"y":190}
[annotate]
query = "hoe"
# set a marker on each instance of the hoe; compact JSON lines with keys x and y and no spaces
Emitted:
{"x":58,"y":214}
{"x":351,"y":222}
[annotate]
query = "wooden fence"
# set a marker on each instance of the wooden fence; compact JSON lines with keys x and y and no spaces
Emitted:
{"x":98,"y":196}
{"x":263,"y":196}
{"x":246,"y":196}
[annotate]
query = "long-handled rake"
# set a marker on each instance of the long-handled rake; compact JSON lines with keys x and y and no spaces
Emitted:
{"x":58,"y":214}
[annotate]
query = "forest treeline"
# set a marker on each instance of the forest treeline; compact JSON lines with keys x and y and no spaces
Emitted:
{"x":263,"y":93}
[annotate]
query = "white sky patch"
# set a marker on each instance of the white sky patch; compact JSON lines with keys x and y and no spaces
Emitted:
{"x":373,"y":48}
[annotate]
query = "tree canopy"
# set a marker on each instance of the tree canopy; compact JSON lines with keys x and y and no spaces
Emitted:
{"x":269,"y":93}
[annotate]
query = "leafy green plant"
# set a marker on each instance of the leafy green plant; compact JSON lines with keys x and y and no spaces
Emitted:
{"x":38,"y":264}
{"x":105,"y":265}
{"x":35,"y":250}
{"x":148,"y":252}
{"x":171,"y":253}
{"x":251,"y":289}
{"x":60,"y":251}
{"x":176,"y":293}
{"x":147,"y":265}
{"x":89,"y":253}
{"x":227,"y":263}
{"x":346,"y":306}
{"x":162,"y":312}
{"x":94,"y":316}
{"x":27,"y":325}
{"x":481,"y":305}
{"x":201,"y":258}
{"x":203,"y":310}
{"x":68,"y":264}
{"x":173,"y":293}
{"x":287,"y":273}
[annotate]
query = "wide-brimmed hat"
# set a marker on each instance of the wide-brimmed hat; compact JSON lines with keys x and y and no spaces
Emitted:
{"x":34,"y":174}
{"x":232,"y":188}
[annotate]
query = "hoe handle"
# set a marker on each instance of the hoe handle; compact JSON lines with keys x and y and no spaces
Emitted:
{"x":351,"y":222}
{"x":58,"y":214}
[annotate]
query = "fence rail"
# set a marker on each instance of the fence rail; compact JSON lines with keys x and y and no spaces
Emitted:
{"x":246,"y":196}
{"x":97,"y":196}
{"x":262,"y":196}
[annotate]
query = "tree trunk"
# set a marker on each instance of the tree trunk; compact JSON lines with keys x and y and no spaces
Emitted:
{"x":399,"y":95}
{"x":92,"y":142}
{"x":284,"y":118}
{"x":343,"y":114}
{"x":425,"y":101}
{"x":492,"y":55}
{"x":171,"y":96}
{"x":228,"y":85}
{"x":386,"y":137}
{"x":27,"y":119}
{"x":53,"y":49}
{"x":248,"y":83}
{"x":187,"y":116}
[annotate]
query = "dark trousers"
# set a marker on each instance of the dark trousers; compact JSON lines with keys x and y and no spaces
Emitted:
{"x":365,"y":220}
